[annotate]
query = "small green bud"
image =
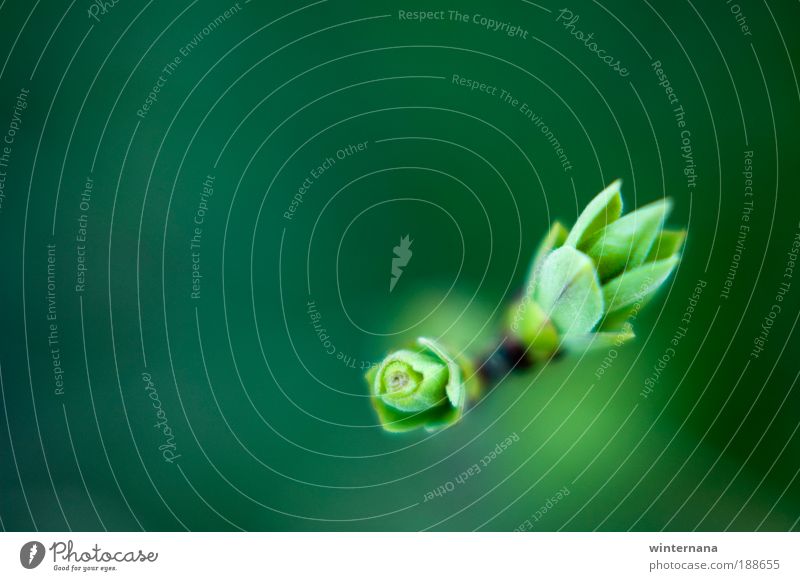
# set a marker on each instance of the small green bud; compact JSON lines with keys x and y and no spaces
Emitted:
{"x":418,"y":387}
{"x":412,"y":382}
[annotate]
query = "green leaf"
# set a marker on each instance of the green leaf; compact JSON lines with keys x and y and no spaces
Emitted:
{"x":667,"y":243}
{"x":555,"y":238}
{"x":602,"y":210}
{"x":568,"y":291}
{"x":626,"y":242}
{"x":393,"y":420}
{"x":595,"y":341}
{"x":636,"y":284}
{"x":444,"y":420}
{"x":371,"y":374}
{"x":615,"y":321}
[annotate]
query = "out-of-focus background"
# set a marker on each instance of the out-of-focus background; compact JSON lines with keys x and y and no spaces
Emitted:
{"x":198,"y":208}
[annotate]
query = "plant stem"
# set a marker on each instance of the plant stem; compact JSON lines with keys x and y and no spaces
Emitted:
{"x":509,"y":356}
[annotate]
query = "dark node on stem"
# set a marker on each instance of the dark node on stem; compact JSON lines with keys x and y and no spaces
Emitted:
{"x":509,"y":357}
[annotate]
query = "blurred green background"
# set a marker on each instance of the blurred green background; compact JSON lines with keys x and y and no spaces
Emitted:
{"x":268,"y":424}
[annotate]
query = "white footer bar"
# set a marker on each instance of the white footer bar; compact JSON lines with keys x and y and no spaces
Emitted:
{"x":401,"y":556}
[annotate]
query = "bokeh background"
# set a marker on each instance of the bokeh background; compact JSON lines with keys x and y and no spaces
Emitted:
{"x":264,"y":422}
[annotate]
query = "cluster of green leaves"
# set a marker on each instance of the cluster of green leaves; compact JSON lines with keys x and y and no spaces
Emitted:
{"x":585,"y":283}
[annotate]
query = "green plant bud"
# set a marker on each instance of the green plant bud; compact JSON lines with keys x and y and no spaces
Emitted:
{"x":601,"y":211}
{"x":637,"y":284}
{"x":586,"y":284}
{"x":418,"y":387}
{"x":568,"y":291}
{"x":626,"y":243}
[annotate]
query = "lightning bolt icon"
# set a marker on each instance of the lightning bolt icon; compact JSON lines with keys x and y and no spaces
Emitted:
{"x":402,"y":254}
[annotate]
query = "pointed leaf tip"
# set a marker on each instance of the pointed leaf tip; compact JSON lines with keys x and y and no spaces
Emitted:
{"x":635,"y":285}
{"x":601,"y":211}
{"x":668,"y":243}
